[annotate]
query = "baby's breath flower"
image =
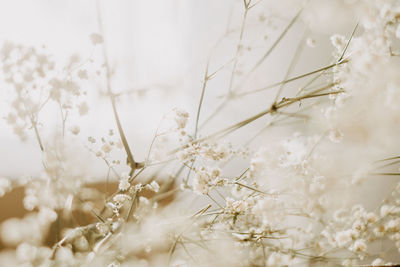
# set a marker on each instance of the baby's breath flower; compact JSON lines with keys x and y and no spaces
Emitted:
{"x":359,"y":246}
{"x":343,"y":238}
{"x":82,"y":74}
{"x":106,"y":148}
{"x":181,"y":118}
{"x":121,"y":198}
{"x":96,"y":38}
{"x":124,"y":184}
{"x":83,"y":108}
{"x":75,"y":129}
{"x":5,"y":186}
{"x":311,"y":42}
{"x":153,"y":186}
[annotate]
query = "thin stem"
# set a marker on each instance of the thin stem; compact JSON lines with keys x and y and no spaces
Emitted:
{"x":277,"y":41}
{"x":130,"y":158}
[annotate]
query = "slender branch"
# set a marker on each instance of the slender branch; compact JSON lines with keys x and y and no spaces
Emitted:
{"x":130,"y":158}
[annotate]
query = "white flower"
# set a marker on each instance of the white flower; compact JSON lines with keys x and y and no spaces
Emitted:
{"x":26,"y":252}
{"x":386,"y":210}
{"x":393,"y":225}
{"x":205,"y":179}
{"x":181,"y":118}
{"x":124,"y":184}
{"x":46,"y":215}
{"x":359,"y":246}
{"x":338,"y":41}
{"x":121,"y":198}
{"x":378,"y":262}
{"x":335,"y":135}
{"x":153,"y":186}
{"x":96,"y":38}
{"x":310,"y":42}
{"x":82,"y":74}
{"x":5,"y":186}
{"x":83,"y":108}
{"x":343,"y":238}
{"x":75,"y":129}
{"x":106,"y":148}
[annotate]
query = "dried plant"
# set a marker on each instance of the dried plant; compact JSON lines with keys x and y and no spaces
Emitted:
{"x":311,"y":179}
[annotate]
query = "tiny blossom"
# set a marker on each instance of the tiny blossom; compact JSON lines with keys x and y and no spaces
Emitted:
{"x":121,"y":198}
{"x":144,"y":200}
{"x":378,"y":262}
{"x":340,"y":215}
{"x":124,"y":184}
{"x":30,"y":201}
{"x":91,"y":139}
{"x":153,"y":186}
{"x":5,"y":186}
{"x":96,"y":38}
{"x":83,"y":109}
{"x":181,"y":118}
{"x":102,"y":228}
{"x":359,"y":246}
{"x":393,"y":225}
{"x":295,"y":151}
{"x":335,"y":135}
{"x":82,"y":74}
{"x":26,"y":252}
{"x":338,"y":41}
{"x":205,"y":179}
{"x":386,"y":210}
{"x":46,"y":215}
{"x":343,"y":237}
{"x":311,"y":42}
{"x":75,"y":129}
{"x":398,"y":32}
{"x":257,"y":164}
{"x":106,"y":148}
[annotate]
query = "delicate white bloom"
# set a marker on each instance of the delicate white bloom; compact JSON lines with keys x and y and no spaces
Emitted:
{"x":181,"y":118}
{"x":311,"y":42}
{"x":386,"y":210}
{"x":5,"y":186}
{"x":338,"y":42}
{"x":258,"y":164}
{"x":121,"y":198}
{"x":295,"y":151}
{"x":64,"y":254}
{"x":359,"y":246}
{"x":378,"y":262}
{"x":277,"y":259}
{"x":83,"y":108}
{"x":26,"y":252}
{"x":393,"y":225}
{"x":75,"y":129}
{"x":124,"y":184}
{"x":81,"y":243}
{"x":205,"y":179}
{"x":153,"y":186}
{"x":106,"y":148}
{"x":340,"y":215}
{"x":335,"y":135}
{"x":96,"y":38}
{"x":102,"y":228}
{"x":236,"y":206}
{"x":343,"y":238}
{"x":82,"y":74}
{"x":46,"y":215}
{"x":30,"y":201}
